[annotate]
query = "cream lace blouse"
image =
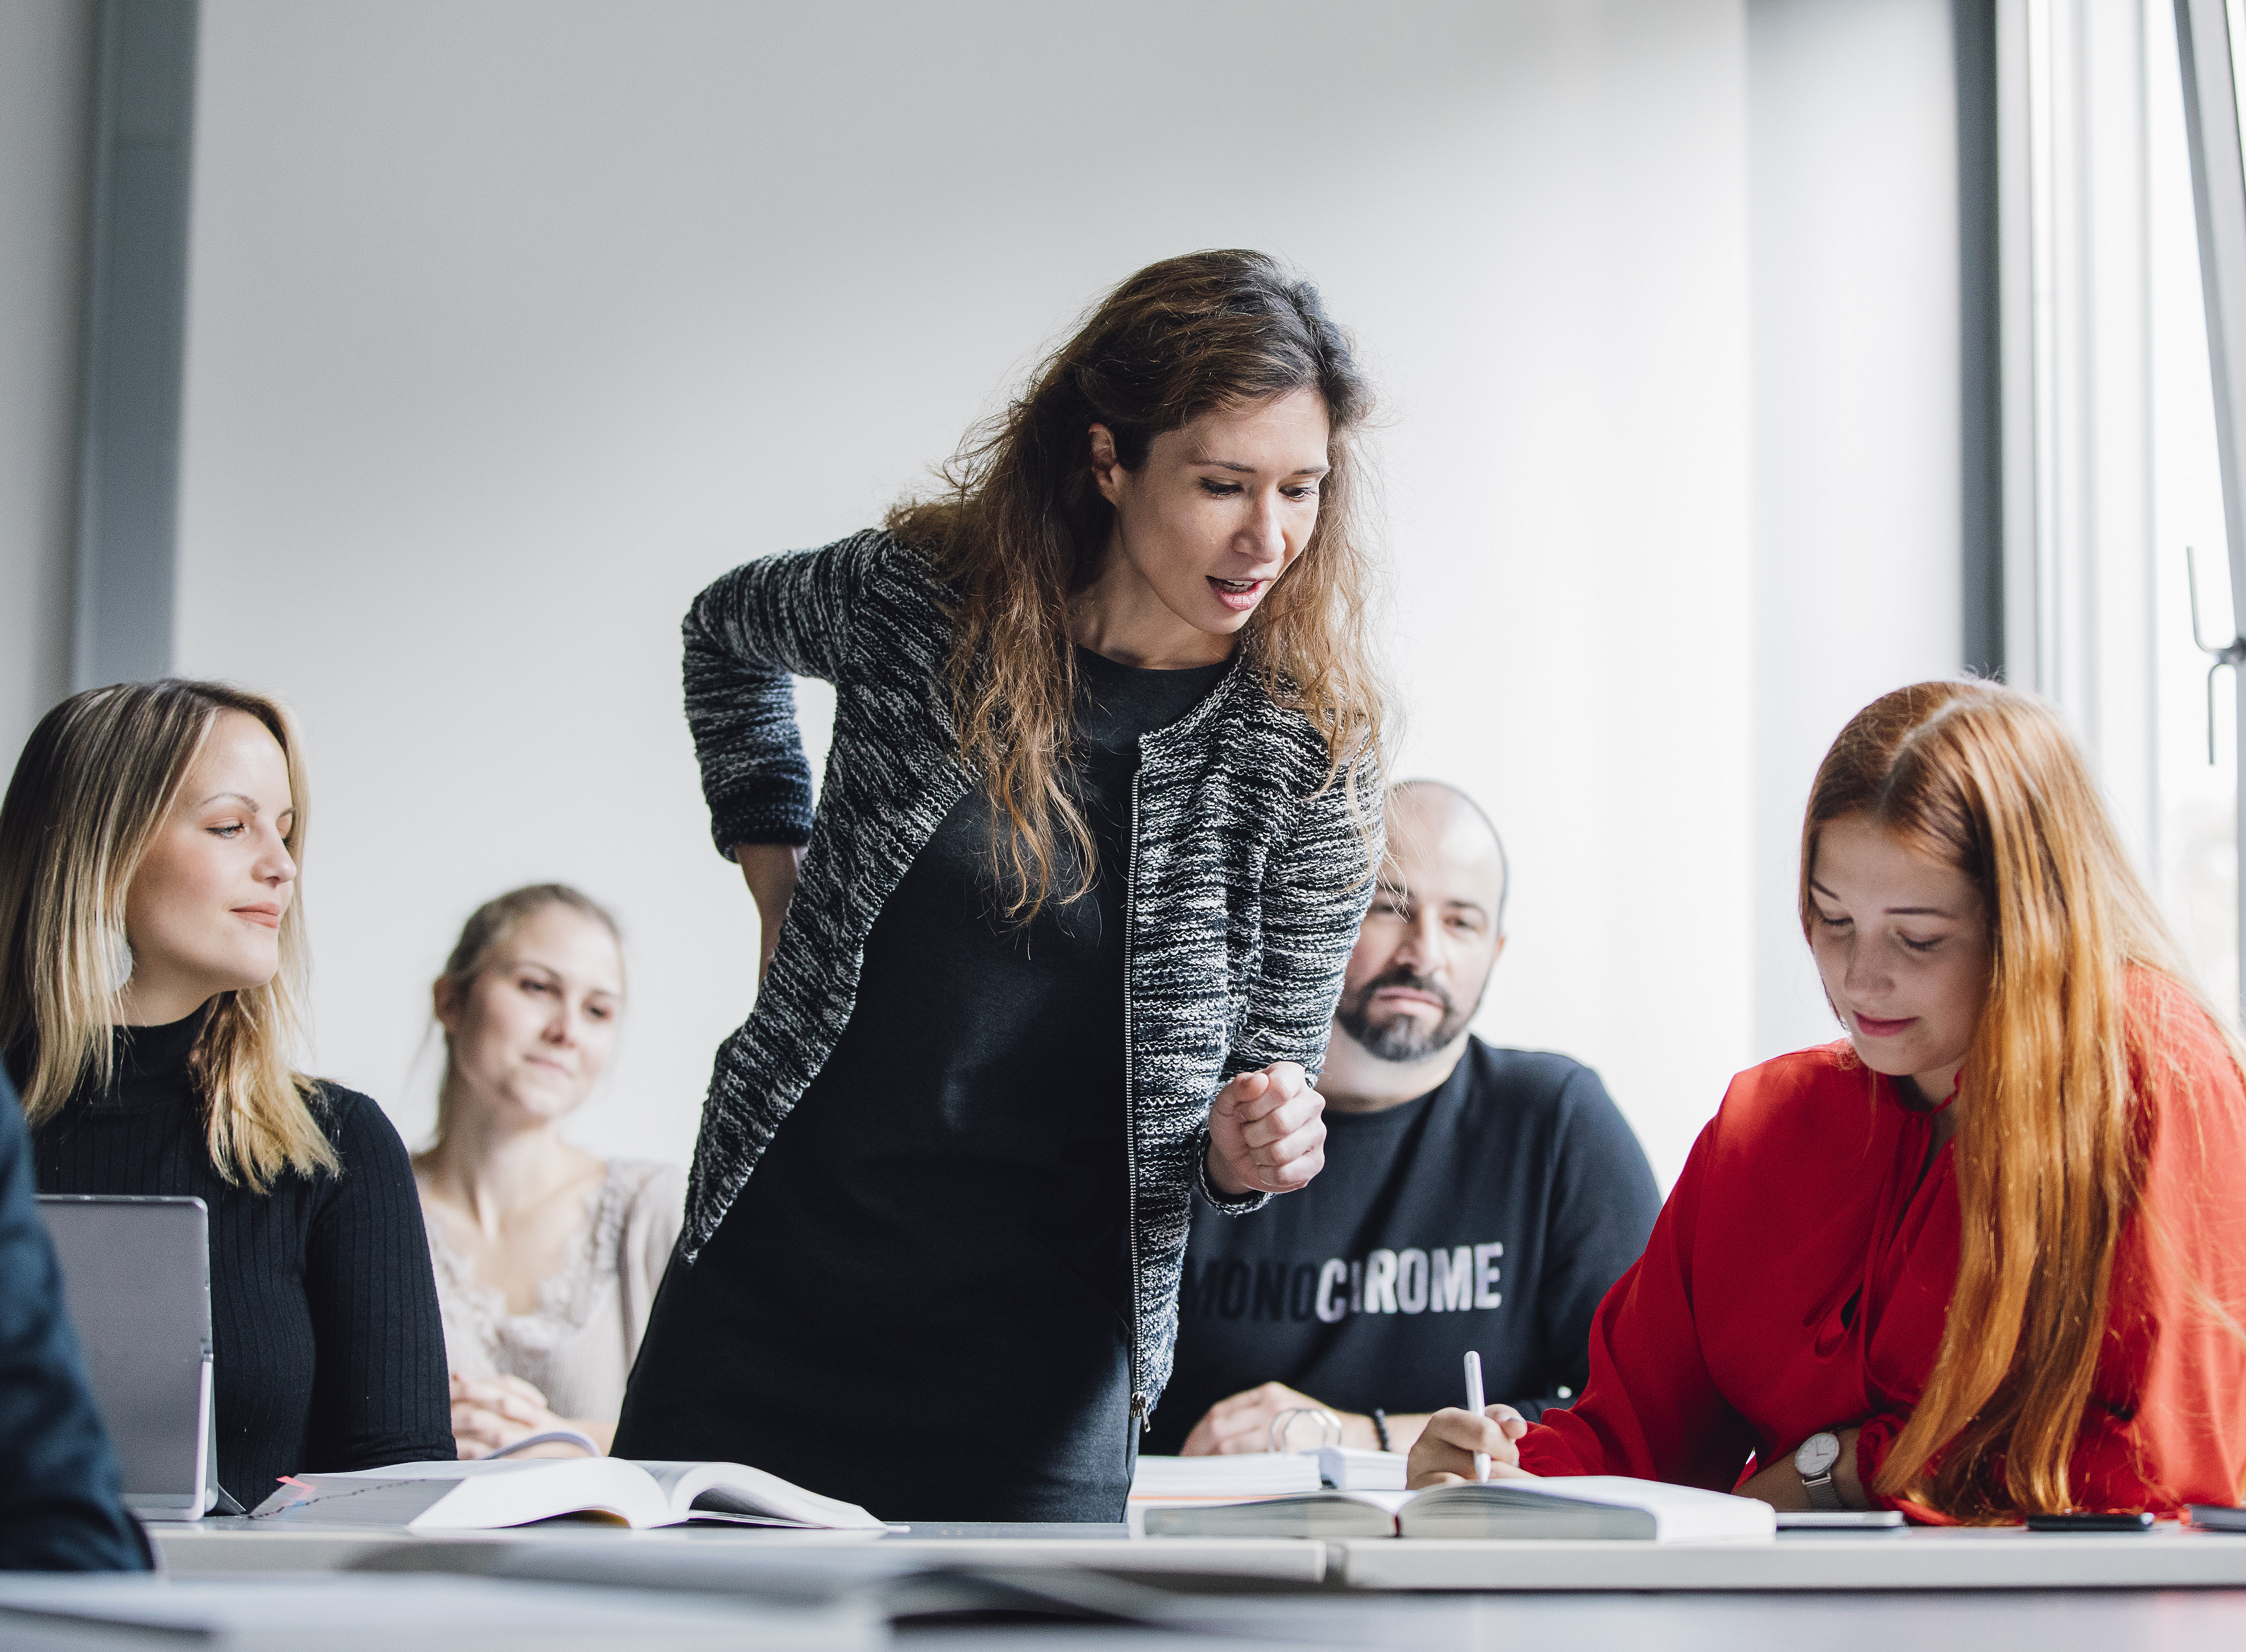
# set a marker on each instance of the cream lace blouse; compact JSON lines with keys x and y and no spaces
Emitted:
{"x":577,"y":1346}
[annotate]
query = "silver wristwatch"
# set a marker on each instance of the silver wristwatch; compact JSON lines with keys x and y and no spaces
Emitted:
{"x":1815,"y":1460}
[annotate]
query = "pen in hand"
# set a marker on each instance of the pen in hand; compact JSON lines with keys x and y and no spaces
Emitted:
{"x":1475,"y":1403}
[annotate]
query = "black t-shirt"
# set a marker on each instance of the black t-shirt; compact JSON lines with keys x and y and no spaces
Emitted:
{"x":920,"y":1301}
{"x":327,"y":1349}
{"x":1492,"y":1214}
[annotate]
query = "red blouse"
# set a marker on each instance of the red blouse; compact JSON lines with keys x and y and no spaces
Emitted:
{"x":1799,"y":1275}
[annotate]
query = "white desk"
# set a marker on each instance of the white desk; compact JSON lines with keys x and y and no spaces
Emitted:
{"x":236,"y":1545}
{"x":440,"y":1614}
{"x":1993,"y":1591}
{"x":1921,"y":1559}
{"x":2091,"y":1621}
{"x":2006,"y":1559}
{"x":107,"y":1612}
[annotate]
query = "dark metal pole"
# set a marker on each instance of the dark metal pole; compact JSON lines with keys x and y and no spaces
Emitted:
{"x":1980,"y":352}
{"x":135,"y":340}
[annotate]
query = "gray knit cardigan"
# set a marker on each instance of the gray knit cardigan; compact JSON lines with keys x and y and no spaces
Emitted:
{"x":1246,"y":880}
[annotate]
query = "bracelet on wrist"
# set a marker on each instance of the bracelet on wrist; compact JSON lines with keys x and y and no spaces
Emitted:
{"x":1380,"y":1427}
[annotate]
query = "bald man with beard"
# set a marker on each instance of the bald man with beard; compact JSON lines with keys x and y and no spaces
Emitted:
{"x":1472,"y":1198}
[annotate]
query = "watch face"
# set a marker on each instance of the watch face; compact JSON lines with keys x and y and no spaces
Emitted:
{"x":1818,"y":1453}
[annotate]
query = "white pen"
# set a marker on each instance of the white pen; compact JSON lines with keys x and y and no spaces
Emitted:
{"x":1475,"y":1403}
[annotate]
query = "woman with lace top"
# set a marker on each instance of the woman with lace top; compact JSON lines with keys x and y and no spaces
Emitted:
{"x":546,"y":1258}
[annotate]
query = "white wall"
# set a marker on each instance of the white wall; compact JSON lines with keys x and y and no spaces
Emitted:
{"x":44,"y":46}
{"x":1570,"y":484}
{"x":1857,"y":517}
{"x":513,"y":324}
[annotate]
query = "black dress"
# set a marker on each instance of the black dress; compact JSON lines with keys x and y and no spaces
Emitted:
{"x":327,"y":1349}
{"x":920,"y":1301}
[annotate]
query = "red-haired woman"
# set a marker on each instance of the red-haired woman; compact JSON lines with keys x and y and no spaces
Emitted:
{"x":1986,"y":1257}
{"x":1063,"y":948}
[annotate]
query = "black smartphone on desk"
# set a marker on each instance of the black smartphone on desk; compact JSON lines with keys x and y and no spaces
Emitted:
{"x":2090,"y":1522}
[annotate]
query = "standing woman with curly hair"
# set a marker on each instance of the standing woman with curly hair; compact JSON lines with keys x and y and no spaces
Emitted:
{"x":1056,"y":952}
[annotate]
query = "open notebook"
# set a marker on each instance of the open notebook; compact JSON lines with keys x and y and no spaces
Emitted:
{"x":1601,"y":1505}
{"x":473,"y":1496}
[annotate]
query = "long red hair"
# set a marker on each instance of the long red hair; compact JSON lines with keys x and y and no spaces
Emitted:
{"x":2059,"y":1082}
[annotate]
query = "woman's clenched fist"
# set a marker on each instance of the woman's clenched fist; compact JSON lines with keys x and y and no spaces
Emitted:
{"x":1267,"y":1132}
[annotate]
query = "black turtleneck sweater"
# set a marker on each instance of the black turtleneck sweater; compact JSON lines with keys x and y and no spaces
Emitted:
{"x":328,"y":1353}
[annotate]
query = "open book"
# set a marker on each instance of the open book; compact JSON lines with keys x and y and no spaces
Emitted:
{"x":1591,"y":1505}
{"x":474,"y":1497}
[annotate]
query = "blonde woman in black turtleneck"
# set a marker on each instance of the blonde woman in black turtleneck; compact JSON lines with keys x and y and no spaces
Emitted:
{"x":152,"y":958}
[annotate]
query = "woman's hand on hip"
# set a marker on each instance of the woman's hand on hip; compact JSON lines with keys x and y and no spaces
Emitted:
{"x":769,"y":870}
{"x":1445,"y":1451}
{"x":1267,"y":1132}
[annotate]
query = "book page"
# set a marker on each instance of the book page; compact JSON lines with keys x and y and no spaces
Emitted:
{"x":365,"y":1501}
{"x":1618,"y":1490}
{"x":734,"y":1488}
{"x":1677,"y":1511}
{"x":468,"y":1496}
{"x":1295,"y":1514}
{"x":437,"y":1469}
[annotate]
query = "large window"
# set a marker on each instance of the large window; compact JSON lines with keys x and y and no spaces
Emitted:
{"x":2195,"y":858}
{"x":2123,"y":275}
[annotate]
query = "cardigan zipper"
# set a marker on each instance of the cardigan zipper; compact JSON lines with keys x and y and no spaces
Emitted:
{"x":1138,"y":1406}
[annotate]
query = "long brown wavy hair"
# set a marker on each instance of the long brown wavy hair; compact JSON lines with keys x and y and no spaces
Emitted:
{"x":94,"y":783}
{"x":1020,"y":526}
{"x":2061,"y":1081}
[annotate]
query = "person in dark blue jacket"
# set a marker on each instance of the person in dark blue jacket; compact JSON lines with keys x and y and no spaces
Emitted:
{"x":59,"y":1507}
